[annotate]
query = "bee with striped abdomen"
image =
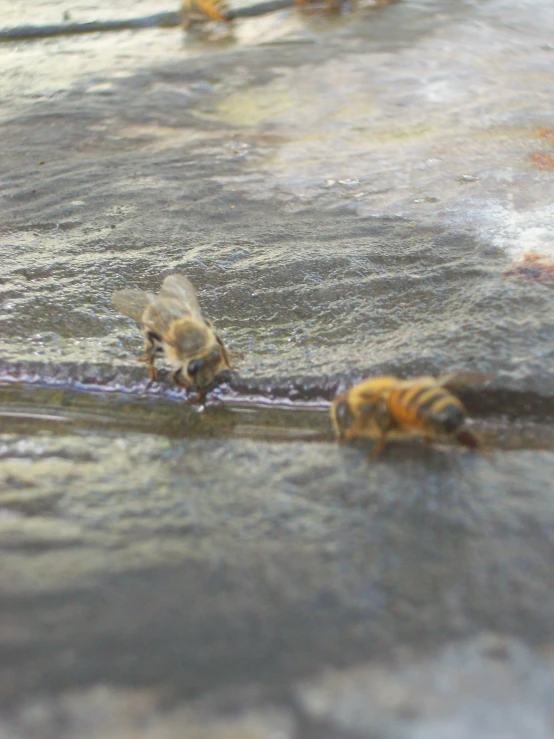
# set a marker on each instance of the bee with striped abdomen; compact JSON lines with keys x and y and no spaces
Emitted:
{"x":175,"y":328}
{"x":387,"y":407}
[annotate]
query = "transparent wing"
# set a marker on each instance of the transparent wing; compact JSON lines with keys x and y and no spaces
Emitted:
{"x":131,"y":303}
{"x":461,"y":378}
{"x":179,"y":288}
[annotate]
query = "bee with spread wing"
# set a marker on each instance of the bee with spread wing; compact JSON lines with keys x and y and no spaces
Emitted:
{"x":175,"y":328}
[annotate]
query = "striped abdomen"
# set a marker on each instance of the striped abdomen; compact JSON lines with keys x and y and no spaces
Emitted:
{"x":427,"y":407}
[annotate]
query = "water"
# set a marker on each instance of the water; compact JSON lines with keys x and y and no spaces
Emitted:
{"x":348,"y":196}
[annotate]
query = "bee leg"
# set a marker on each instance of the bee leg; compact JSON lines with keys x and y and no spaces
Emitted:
{"x":177,"y":377}
{"x":198,"y":398}
{"x":381,"y":444}
{"x":150,"y":351}
{"x":152,"y":371}
{"x":153,"y":374}
{"x":353,"y":432}
{"x":201,"y":398}
{"x":227,"y":354}
{"x":237,"y":356}
{"x":470,"y":440}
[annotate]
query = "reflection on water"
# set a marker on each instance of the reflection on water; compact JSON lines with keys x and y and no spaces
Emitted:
{"x":183,"y":558}
{"x":35,"y":410}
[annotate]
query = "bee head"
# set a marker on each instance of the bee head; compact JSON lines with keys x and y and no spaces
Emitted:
{"x":341,"y":415}
{"x":202,"y":371}
{"x":449,"y":419}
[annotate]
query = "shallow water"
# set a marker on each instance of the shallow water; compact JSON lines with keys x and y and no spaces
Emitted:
{"x":349,"y":196}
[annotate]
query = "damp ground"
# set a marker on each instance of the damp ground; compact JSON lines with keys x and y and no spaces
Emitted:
{"x":354,"y":196}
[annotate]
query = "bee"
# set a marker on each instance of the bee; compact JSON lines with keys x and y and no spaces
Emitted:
{"x":384,"y":407}
{"x":175,"y":328}
{"x":215,"y":10}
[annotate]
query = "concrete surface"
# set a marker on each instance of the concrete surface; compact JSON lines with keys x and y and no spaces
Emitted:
{"x":351,"y":196}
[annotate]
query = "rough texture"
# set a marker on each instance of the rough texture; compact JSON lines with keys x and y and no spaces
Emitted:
{"x":361,"y":195}
{"x":227,"y":561}
{"x":491,"y":687}
{"x":253,"y":171}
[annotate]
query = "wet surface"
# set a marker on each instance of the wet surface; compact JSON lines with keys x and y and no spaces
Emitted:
{"x":490,"y":686}
{"x":350,"y":197}
{"x":206,"y":143}
{"x":261,"y":551}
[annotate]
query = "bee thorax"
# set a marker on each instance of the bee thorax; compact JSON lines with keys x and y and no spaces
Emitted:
{"x":187,"y":337}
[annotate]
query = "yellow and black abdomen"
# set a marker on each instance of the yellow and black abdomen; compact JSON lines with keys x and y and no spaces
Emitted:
{"x":428,"y":408}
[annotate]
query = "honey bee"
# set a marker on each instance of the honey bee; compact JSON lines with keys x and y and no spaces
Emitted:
{"x":175,"y":328}
{"x":385,"y":407}
{"x":215,"y":10}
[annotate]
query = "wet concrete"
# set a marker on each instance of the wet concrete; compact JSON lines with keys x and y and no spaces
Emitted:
{"x":350,"y":197}
{"x":489,"y":686}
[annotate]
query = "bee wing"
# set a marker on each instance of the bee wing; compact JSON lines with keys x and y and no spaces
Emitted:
{"x":180,"y":288}
{"x":461,"y":378}
{"x":131,"y":303}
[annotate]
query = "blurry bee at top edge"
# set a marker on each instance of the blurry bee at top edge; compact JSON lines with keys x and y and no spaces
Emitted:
{"x":197,"y":11}
{"x":387,"y":407}
{"x":175,"y":328}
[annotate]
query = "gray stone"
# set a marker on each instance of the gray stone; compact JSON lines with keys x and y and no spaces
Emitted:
{"x":104,"y":713}
{"x":492,"y":688}
{"x":353,"y":196}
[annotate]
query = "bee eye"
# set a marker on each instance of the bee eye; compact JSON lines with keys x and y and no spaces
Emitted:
{"x":343,"y":415}
{"x":194,"y":367}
